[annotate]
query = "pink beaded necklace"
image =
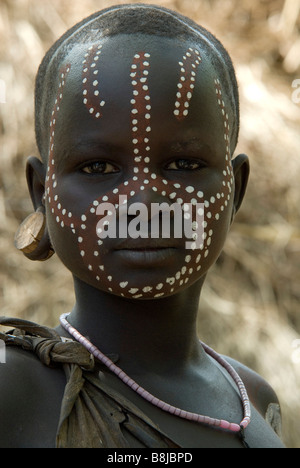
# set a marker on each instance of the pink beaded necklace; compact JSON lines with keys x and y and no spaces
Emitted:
{"x":220,"y":423}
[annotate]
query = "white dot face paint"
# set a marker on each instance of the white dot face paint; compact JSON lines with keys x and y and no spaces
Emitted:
{"x":188,"y":71}
{"x":91,"y":98}
{"x":86,"y":227}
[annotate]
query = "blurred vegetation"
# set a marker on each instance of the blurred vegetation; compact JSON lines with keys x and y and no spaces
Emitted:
{"x":250,"y":303}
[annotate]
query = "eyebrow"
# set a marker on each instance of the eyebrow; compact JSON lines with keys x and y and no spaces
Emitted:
{"x":191,"y":144}
{"x":85,"y":146}
{"x":93,"y":146}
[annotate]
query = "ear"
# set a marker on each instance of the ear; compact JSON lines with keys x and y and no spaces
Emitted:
{"x":241,"y":170}
{"x":32,"y":236}
{"x":36,"y":174}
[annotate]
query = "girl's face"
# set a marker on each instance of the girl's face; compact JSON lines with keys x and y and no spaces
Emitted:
{"x":139,"y":121}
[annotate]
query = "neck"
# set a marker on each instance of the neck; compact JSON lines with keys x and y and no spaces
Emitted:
{"x":144,"y":333}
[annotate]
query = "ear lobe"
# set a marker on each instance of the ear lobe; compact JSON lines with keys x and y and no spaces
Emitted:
{"x":32,"y":235}
{"x":35,"y":175}
{"x":241,"y":170}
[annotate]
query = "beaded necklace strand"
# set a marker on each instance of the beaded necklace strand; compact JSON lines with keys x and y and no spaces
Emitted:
{"x":219,"y":423}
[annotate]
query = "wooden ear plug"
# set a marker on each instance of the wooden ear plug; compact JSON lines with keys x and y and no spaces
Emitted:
{"x":29,"y":235}
{"x":30,"y":232}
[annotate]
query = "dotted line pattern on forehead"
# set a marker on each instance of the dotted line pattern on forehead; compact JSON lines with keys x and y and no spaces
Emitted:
{"x":142,"y":177}
{"x":190,"y":61}
{"x":90,"y":81}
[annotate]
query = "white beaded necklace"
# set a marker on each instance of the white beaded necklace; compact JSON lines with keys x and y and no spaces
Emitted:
{"x":219,"y":423}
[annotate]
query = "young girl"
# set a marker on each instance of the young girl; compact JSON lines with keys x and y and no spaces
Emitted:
{"x":136,"y":109}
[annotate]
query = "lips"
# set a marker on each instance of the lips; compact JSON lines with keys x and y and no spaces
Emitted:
{"x":147,"y":244}
{"x":146,"y":252}
{"x":142,"y":257}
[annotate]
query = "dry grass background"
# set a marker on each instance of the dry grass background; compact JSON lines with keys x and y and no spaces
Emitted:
{"x":250,"y":304}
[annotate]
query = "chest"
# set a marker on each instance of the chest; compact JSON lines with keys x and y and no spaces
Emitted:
{"x":220,"y":401}
{"x":36,"y":424}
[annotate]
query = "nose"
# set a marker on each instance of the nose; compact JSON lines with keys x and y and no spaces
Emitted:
{"x":148,"y":210}
{"x":147,"y":196}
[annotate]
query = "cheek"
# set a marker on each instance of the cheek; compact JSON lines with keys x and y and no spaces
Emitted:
{"x":80,"y":243}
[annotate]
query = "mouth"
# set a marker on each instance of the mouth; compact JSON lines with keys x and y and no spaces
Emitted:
{"x":146,"y":254}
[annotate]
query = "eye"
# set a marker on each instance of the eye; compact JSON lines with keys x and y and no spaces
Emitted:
{"x":186,"y":165}
{"x":99,"y":167}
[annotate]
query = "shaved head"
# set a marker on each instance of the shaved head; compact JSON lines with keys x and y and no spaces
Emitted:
{"x":130,"y":19}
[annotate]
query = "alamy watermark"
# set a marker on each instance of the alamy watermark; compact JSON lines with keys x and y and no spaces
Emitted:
{"x":165,"y":221}
{"x":2,"y":92}
{"x":2,"y":352}
{"x":296,"y":351}
{"x":296,"y":93}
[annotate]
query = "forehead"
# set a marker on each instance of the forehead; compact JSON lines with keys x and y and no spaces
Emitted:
{"x":176,"y":77}
{"x":164,"y":58}
{"x":117,"y":50}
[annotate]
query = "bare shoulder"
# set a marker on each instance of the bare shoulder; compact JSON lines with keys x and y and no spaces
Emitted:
{"x":20,"y":365}
{"x":261,"y":394}
{"x":30,"y":397}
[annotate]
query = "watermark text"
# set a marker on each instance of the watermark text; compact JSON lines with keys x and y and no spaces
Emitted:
{"x":165,"y":221}
{"x":296,"y":93}
{"x":296,"y":351}
{"x":2,"y":352}
{"x":2,"y":92}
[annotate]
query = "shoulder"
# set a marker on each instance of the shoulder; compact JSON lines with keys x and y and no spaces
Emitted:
{"x":261,"y":394}
{"x":19,"y":362}
{"x":18,"y":366}
{"x":30,"y":395}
